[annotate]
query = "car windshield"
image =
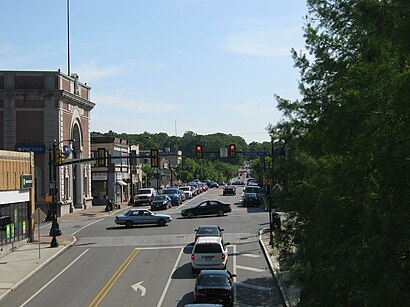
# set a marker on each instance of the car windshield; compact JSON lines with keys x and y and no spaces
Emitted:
{"x":208,"y":230}
{"x":160,"y":197}
{"x":184,"y":189}
{"x":144,"y":191}
{"x":207,"y":248}
{"x":213,"y":280}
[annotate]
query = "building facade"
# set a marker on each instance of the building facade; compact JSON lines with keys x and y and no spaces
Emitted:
{"x":111,"y":178}
{"x":39,"y":108}
{"x":16,"y":199}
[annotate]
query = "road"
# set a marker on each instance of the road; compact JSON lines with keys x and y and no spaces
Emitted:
{"x":150,"y":265}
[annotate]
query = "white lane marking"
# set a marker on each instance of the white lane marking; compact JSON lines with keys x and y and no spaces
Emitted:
{"x":161,"y":247}
{"x":250,"y":269}
{"x":254,"y":287}
{"x":234,"y":263}
{"x":169,"y":278}
{"x":138,"y":286}
{"x":55,"y":277}
{"x":86,"y":226}
{"x":234,"y":272}
{"x":249,"y":255}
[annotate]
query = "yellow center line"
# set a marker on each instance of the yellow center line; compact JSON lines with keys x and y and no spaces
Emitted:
{"x":101,"y":295}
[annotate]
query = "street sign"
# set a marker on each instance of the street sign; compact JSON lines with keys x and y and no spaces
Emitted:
{"x":223,"y":152}
{"x":38,"y":216}
{"x":26,"y":181}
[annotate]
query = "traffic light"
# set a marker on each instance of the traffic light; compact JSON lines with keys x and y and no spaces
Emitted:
{"x":61,"y":156}
{"x":232,"y":151}
{"x":198,"y":151}
{"x":154,"y":158}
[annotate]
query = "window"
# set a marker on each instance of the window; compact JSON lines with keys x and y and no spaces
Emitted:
{"x":207,"y":248}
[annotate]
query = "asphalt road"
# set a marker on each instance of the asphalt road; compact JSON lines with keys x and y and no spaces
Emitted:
{"x":150,"y":265}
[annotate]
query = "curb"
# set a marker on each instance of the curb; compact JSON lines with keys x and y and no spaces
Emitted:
{"x":15,"y":286}
{"x":272,"y":268}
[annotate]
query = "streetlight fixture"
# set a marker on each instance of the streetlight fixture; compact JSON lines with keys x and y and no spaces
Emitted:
{"x":53,"y":166}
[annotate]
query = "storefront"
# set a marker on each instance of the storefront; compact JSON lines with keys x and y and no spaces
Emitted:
{"x":16,"y":199}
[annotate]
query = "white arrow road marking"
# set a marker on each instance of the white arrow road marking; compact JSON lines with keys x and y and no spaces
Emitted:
{"x":255,"y":287}
{"x":250,"y":269}
{"x":140,"y":287}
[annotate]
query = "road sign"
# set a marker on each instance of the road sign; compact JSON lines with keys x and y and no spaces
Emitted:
{"x":38,"y":216}
{"x":223,"y":152}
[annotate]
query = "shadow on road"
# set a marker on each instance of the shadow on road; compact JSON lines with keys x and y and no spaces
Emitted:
{"x":135,"y":226}
{"x":183,"y":272}
{"x":186,"y":299}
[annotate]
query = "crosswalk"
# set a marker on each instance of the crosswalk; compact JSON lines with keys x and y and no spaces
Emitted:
{"x":158,"y":240}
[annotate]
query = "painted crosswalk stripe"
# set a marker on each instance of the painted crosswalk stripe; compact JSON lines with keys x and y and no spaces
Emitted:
{"x":250,"y":269}
{"x":248,"y":255}
{"x":254,"y":287}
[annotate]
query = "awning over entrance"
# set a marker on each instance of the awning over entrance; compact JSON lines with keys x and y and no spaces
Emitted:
{"x":120,"y":182}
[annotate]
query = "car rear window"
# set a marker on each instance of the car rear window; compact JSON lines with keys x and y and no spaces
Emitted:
{"x":171,"y":191}
{"x":207,"y":248}
{"x":208,"y":230}
{"x":252,"y":190}
{"x":213,"y":280}
{"x":144,"y":192}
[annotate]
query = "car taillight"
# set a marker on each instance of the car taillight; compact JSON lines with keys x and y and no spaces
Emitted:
{"x":192,"y":257}
{"x":223,"y":256}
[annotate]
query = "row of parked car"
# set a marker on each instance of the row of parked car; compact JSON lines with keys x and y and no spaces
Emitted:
{"x":171,"y":196}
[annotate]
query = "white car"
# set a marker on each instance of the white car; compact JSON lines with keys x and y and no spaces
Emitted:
{"x":188,"y":191}
{"x":209,"y":253}
{"x":145,"y":196}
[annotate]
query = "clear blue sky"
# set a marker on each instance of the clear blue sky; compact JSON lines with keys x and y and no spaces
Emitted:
{"x":168,"y":66}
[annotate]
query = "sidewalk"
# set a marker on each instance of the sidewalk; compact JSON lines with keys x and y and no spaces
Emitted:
{"x":18,"y":266}
{"x":289,"y":293}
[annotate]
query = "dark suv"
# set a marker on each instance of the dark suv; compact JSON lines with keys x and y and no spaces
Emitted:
{"x":252,"y":196}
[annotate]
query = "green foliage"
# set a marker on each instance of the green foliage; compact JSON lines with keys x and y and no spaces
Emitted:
{"x":203,"y":169}
{"x":211,"y":167}
{"x":349,"y":163}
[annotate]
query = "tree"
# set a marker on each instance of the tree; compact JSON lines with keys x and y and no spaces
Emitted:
{"x":347,"y":241}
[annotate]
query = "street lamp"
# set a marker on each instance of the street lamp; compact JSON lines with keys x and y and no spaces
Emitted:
{"x":53,"y":165}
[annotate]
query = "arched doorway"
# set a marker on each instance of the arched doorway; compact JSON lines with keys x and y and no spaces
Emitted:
{"x":77,"y":168}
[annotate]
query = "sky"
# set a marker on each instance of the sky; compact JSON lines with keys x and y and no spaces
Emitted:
{"x":205,"y":66}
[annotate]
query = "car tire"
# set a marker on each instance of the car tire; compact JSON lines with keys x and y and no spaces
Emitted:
{"x":190,"y":215}
{"x":129,"y":224}
{"x":161,"y":222}
{"x":220,"y":212}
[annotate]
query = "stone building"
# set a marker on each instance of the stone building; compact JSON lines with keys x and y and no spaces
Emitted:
{"x":39,"y":108}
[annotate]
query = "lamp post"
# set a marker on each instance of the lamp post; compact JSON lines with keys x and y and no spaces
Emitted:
{"x":53,"y":166}
{"x":132,"y":164}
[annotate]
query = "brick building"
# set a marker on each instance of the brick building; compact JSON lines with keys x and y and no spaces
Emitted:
{"x":38,"y":108}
